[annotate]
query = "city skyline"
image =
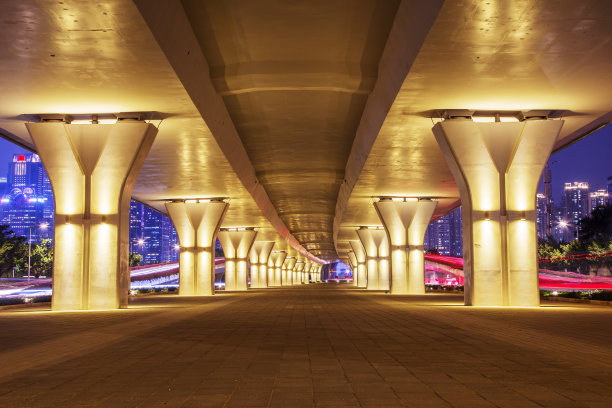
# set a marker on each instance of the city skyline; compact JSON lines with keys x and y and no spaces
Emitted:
{"x":584,"y":161}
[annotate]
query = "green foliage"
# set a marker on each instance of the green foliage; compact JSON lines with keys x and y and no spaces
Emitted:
{"x":598,"y":226}
{"x":13,"y":251}
{"x":135,"y":259}
{"x":41,"y":262}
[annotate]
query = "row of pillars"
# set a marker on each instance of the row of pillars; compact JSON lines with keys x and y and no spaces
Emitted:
{"x":93,"y":169}
{"x":497,"y":166}
{"x":391,"y":257}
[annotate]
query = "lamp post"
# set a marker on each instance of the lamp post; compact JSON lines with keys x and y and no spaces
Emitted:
{"x":41,"y":226}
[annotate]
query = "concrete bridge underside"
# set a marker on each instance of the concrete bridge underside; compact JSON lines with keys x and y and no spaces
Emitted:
{"x":291,"y":119}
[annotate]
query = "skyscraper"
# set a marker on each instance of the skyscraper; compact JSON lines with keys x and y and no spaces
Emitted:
{"x":136,"y":231}
{"x":445,"y":234}
{"x":547,"y":215}
{"x":28,"y":201}
{"x":542,"y":219}
{"x":575,"y":206}
{"x":598,"y":198}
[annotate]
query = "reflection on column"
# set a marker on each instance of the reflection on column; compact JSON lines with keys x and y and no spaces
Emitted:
{"x":260,"y":253}
{"x":406,"y":221}
{"x":306,"y":274}
{"x":352,"y":262}
{"x":360,"y":257}
{"x":289,"y":264}
{"x":236,"y":244}
{"x":297,"y":272}
{"x":277,"y":258}
{"x":497,"y":167}
{"x":92,"y":168}
{"x":197,"y":223}
{"x":376,"y":246}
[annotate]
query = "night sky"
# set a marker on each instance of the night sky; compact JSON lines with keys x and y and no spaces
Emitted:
{"x":588,"y":160}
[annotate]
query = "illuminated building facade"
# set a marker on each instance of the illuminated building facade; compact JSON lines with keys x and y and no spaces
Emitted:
{"x":445,"y":234}
{"x":27,"y":199}
{"x":599,"y":198}
{"x":152,"y":235}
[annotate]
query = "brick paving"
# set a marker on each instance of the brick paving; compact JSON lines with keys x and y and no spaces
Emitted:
{"x":311,"y":346}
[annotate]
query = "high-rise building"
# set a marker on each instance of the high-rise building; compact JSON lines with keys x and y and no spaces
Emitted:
{"x":547,"y":218}
{"x":599,"y":198}
{"x":445,"y":234}
{"x":169,"y":241}
{"x":542,"y":219}
{"x":136,"y":231}
{"x":575,"y":206}
{"x":152,"y":235}
{"x":575,"y":201}
{"x":27,"y":202}
{"x":455,"y":229}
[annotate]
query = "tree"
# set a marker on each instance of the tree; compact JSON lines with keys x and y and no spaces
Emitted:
{"x":135,"y":259}
{"x":13,"y":251}
{"x":41,"y":260}
{"x":598,"y":226}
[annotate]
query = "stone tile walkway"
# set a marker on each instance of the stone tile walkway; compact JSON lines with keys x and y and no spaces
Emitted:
{"x":313,"y":346}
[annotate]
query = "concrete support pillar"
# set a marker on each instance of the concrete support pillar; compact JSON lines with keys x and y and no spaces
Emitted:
{"x":497,"y":167}
{"x":406,"y":220}
{"x":376,"y":245}
{"x":260,"y":253}
{"x":306,"y":273}
{"x":360,"y":258}
{"x":275,"y":264}
{"x":287,"y":271}
{"x":352,"y":262}
{"x":92,"y":169}
{"x":236,"y":244}
{"x":297,"y":272}
{"x":318,"y":273}
{"x":197,"y":223}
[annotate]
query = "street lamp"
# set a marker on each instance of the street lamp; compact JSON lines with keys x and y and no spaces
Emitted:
{"x":42,"y":226}
{"x":565,"y":224}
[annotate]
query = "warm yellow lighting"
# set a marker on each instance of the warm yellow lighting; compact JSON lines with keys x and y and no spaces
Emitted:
{"x":191,"y":201}
{"x":508,"y":119}
{"x":483,"y":119}
{"x":522,"y":216}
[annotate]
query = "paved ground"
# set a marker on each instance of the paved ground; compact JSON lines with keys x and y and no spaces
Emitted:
{"x":315,"y":346}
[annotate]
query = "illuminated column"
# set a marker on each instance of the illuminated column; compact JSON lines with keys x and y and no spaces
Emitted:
{"x":319,"y":269}
{"x":92,"y":168}
{"x":298,"y":268}
{"x":275,"y":264}
{"x":406,"y":220}
{"x":306,"y":273}
{"x":313,"y":272}
{"x":236,"y":243}
{"x":360,"y":257}
{"x":288,"y":271}
{"x":197,"y":223}
{"x":260,"y":253}
{"x":376,"y":245}
{"x":497,"y":167}
{"x":352,"y":261}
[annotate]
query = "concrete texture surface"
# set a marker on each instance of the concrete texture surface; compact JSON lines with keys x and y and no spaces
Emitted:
{"x":322,"y":345}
